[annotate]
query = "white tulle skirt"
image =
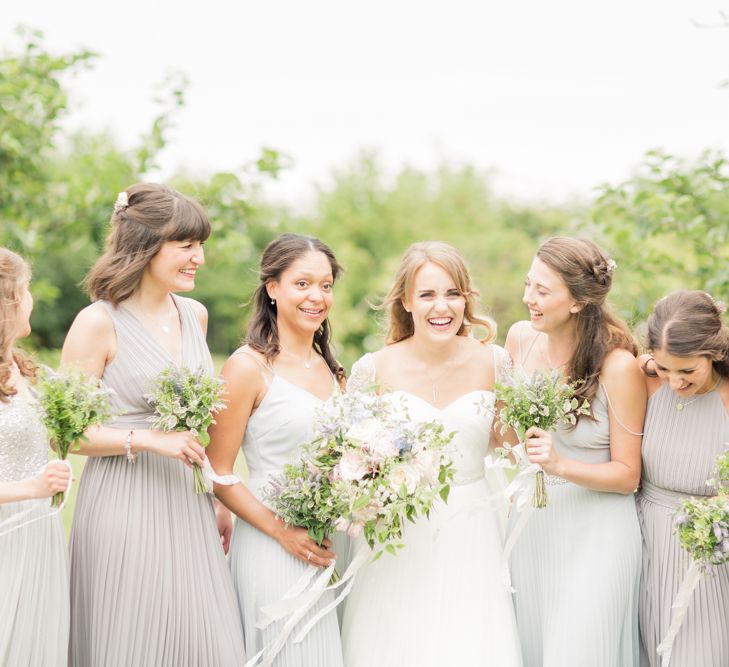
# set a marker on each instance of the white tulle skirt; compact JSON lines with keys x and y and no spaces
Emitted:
{"x":442,"y":600}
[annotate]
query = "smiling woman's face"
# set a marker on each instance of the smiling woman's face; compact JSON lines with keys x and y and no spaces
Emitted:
{"x":435,"y":303}
{"x":685,"y":375}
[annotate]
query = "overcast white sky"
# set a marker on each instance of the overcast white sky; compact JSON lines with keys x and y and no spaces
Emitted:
{"x":556,"y":97}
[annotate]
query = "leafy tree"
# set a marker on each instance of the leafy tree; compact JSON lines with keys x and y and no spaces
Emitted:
{"x":669,"y":226}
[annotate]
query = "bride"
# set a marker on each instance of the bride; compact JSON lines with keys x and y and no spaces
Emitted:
{"x":442,"y":599}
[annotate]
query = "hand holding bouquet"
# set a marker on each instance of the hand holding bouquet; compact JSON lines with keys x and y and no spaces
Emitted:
{"x":186,"y":400}
{"x":369,"y":469}
{"x":545,"y":401}
{"x":69,"y":404}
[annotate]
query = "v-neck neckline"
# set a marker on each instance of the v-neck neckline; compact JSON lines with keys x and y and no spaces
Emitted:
{"x":148,"y":333}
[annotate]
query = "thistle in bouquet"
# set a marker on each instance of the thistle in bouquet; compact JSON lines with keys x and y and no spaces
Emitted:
{"x":702,"y":528}
{"x":368,"y":470}
{"x":186,"y":400}
{"x":546,"y":401}
{"x":702,"y":524}
{"x":69,"y":403}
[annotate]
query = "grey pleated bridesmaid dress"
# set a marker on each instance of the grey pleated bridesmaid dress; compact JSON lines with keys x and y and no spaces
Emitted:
{"x":262,"y":569}
{"x":33,"y":560}
{"x":149,"y":582}
{"x":576,"y":565}
{"x":680,"y":447}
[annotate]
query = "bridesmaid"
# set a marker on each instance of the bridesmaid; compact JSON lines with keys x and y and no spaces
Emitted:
{"x":149,"y":583}
{"x":275,"y":383}
{"x":576,"y":565}
{"x":687,"y":427}
{"x":33,"y":561}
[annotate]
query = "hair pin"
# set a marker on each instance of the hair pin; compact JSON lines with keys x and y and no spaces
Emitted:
{"x":122,"y":202}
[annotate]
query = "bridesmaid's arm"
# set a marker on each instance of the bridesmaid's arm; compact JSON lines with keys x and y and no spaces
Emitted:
{"x":53,"y":479}
{"x":91,"y":345}
{"x":245,"y":385}
{"x":625,"y":386}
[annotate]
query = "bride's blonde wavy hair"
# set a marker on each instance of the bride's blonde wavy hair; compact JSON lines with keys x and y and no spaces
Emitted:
{"x":14,"y":276}
{"x":400,"y":321}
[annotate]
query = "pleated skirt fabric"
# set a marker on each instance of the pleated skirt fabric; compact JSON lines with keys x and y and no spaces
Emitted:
{"x":262,"y":573}
{"x":149,"y":581}
{"x":34,"y":614}
{"x":576,"y":571}
{"x":679,"y":452}
{"x":703,"y":640}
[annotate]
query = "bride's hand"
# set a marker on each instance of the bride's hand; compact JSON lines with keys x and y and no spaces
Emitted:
{"x":298,"y":543}
{"x":540,"y":449}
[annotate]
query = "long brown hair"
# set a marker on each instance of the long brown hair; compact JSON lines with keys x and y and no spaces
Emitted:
{"x":588,"y":273}
{"x":142,"y":221}
{"x":14,"y":276}
{"x":277,"y":257}
{"x":688,"y":324}
{"x":400,"y":321}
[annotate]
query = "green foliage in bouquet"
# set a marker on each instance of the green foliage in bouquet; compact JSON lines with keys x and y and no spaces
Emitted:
{"x":702,"y":524}
{"x":545,"y":401}
{"x":186,"y":400}
{"x":69,"y":404}
{"x":368,"y":470}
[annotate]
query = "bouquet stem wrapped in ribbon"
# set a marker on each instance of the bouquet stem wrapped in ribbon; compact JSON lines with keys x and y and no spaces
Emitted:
{"x":545,"y":401}
{"x":186,"y":400}
{"x":702,"y":527}
{"x":69,"y":404}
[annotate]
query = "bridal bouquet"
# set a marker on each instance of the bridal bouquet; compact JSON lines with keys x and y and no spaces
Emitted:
{"x":545,"y":401}
{"x":702,"y":528}
{"x":368,"y":470}
{"x":69,"y":403}
{"x":186,"y":400}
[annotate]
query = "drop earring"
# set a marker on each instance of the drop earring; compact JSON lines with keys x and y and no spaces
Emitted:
{"x":273,"y":302}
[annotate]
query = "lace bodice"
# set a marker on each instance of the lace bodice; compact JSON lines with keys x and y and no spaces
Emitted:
{"x":23,"y":440}
{"x":469,"y":417}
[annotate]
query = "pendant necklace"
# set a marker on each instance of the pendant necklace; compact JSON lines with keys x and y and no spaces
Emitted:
{"x":306,"y":362}
{"x":434,"y":383}
{"x":165,"y":328}
{"x":681,"y":406}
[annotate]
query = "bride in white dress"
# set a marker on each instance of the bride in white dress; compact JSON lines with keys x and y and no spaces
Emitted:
{"x":442,"y":599}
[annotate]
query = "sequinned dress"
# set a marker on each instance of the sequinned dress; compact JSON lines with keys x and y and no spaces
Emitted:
{"x":33,"y":561}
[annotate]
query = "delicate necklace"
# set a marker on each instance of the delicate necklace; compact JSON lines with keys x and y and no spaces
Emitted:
{"x":434,"y":382}
{"x":680,"y":406}
{"x":549,"y":360}
{"x":306,"y":362}
{"x":157,"y":322}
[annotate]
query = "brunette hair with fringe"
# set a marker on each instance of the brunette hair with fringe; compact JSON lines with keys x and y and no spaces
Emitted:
{"x":688,"y":324}
{"x":400,"y":321}
{"x":277,"y":257}
{"x":588,"y":273}
{"x":151,"y":215}
{"x":14,"y":276}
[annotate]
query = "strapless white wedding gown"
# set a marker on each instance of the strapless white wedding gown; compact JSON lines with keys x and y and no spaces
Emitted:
{"x":441,"y":600}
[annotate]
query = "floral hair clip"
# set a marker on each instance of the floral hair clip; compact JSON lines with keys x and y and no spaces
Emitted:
{"x":122,"y":202}
{"x":611,"y":266}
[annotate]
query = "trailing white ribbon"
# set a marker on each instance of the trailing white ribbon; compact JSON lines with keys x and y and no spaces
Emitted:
{"x":17,"y":517}
{"x":679,"y":608}
{"x":520,"y":493}
{"x":223,"y":480}
{"x":299,"y":599}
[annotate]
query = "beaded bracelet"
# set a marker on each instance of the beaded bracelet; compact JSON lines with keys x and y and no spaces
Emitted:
{"x":131,"y":456}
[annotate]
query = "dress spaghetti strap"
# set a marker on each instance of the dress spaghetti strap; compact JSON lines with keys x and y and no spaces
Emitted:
{"x":615,"y":414}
